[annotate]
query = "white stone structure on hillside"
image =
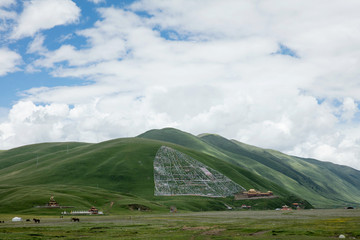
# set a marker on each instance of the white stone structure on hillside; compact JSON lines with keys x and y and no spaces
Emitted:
{"x":176,"y":173}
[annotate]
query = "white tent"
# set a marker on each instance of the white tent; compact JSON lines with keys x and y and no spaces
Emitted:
{"x":16,"y":219}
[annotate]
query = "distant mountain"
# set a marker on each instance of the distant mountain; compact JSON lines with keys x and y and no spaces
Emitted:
{"x":118,"y":175}
{"x":323,"y":184}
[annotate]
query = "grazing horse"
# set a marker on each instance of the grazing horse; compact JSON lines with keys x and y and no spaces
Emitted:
{"x":75,"y":219}
{"x":36,"y":220}
{"x":28,"y":220}
{"x":2,"y":221}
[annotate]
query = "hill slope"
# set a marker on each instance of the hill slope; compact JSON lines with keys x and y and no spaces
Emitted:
{"x":112,"y":175}
{"x":323,"y":184}
{"x":118,"y":175}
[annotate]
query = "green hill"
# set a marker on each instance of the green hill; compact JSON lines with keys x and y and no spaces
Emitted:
{"x":118,"y":176}
{"x":322,"y":184}
{"x":115,"y":176}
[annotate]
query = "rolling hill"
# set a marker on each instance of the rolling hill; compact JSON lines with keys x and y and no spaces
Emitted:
{"x":118,"y":175}
{"x":323,"y":184}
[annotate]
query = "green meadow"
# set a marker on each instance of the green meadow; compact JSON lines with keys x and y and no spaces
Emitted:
{"x":247,"y":224}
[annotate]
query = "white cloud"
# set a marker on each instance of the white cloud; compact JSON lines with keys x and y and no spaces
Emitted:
{"x":95,"y":121}
{"x":3,"y":114}
{"x":107,"y":41}
{"x":348,"y":109}
{"x":219,"y":73}
{"x":9,"y":61}
{"x":341,"y":147}
{"x":30,"y":123}
{"x":96,"y":1}
{"x":6,"y":14}
{"x":6,"y":3}
{"x":36,"y":46}
{"x":44,"y":14}
{"x":206,"y":19}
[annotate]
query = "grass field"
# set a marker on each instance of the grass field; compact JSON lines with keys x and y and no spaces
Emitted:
{"x":304,"y":224}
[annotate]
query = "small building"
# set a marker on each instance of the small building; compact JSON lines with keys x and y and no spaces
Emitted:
{"x":296,"y":205}
{"x":93,"y":210}
{"x":267,"y":194}
{"x":285,"y":208}
{"x":254,"y":193}
{"x":52,"y":202}
{"x":245,"y":207}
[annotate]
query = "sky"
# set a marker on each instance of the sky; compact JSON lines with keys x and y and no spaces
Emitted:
{"x":276,"y":74}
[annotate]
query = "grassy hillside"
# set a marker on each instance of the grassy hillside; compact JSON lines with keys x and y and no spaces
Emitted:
{"x":323,"y":184}
{"x":119,"y":171}
{"x":25,"y":199}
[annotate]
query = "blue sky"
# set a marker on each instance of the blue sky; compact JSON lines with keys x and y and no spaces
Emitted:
{"x":17,"y":82}
{"x":270,"y":73}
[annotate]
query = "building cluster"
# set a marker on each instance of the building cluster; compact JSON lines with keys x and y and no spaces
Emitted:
{"x":254,"y":193}
{"x":53,"y":204}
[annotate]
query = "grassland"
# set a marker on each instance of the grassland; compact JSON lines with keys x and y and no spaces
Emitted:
{"x":303,"y":224}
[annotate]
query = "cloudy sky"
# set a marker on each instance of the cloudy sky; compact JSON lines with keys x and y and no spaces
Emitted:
{"x":276,"y":74}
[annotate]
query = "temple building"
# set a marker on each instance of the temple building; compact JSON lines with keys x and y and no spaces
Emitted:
{"x":93,"y":210}
{"x":52,"y":202}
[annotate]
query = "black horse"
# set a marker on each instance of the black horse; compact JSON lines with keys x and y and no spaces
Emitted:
{"x":36,"y":220}
{"x":75,"y":219}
